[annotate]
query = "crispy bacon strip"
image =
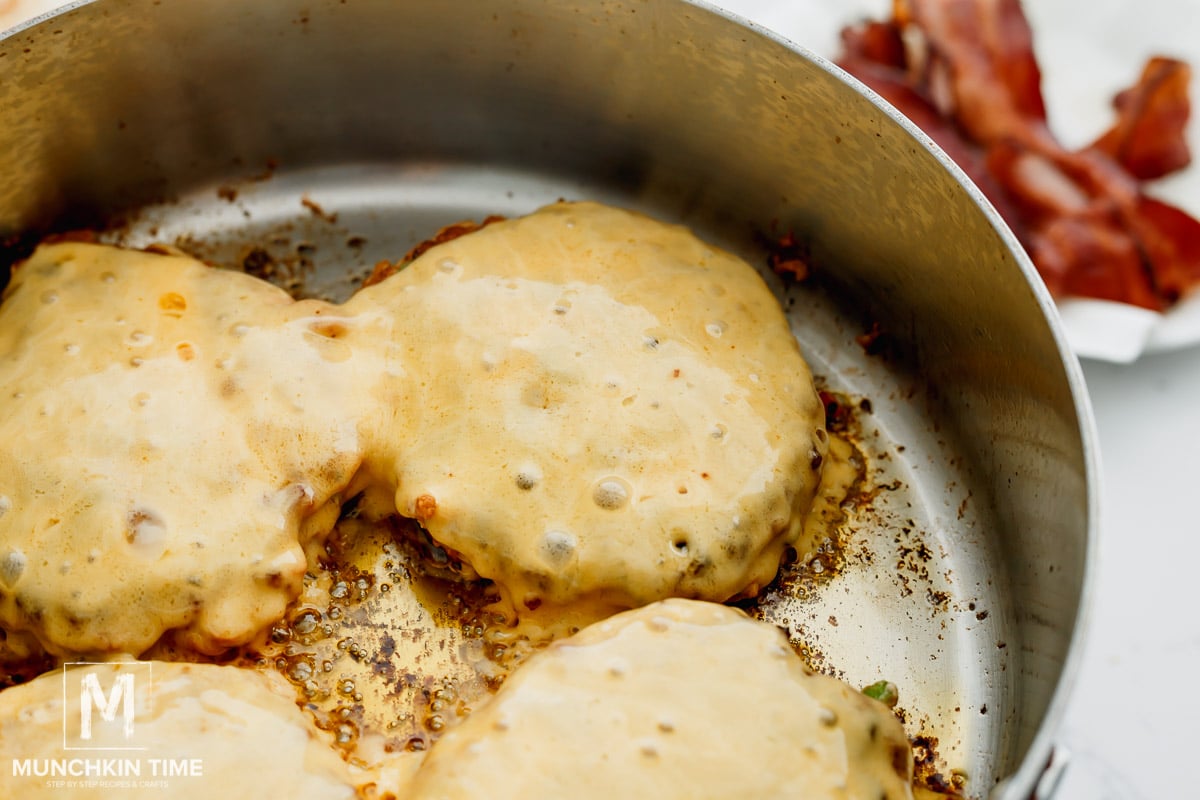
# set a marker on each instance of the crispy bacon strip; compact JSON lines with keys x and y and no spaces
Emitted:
{"x":1170,"y":239}
{"x":1091,"y":254}
{"x":964,"y":71}
{"x":877,"y":42}
{"x":1148,"y":137}
{"x":982,"y":52}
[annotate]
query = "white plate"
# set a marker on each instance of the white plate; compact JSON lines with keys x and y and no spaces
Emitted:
{"x":14,"y":12}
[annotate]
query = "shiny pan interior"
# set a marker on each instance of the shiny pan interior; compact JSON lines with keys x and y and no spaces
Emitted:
{"x":341,"y":132}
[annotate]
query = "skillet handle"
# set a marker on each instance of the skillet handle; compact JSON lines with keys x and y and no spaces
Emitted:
{"x":1047,"y":783}
{"x":1052,"y":774}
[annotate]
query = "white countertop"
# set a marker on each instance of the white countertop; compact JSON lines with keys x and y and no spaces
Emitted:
{"x":1129,"y":721}
{"x":1125,"y":727}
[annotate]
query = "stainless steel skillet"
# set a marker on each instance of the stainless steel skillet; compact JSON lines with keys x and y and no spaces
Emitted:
{"x":380,"y":121}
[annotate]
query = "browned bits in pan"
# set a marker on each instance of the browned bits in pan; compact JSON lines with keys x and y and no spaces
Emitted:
{"x":383,"y":269}
{"x":789,"y":256}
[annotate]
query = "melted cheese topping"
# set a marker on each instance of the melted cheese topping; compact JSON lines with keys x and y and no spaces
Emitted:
{"x":172,"y":433}
{"x":608,"y":409}
{"x":679,"y":699}
{"x":182,"y":713}
{"x":587,"y":405}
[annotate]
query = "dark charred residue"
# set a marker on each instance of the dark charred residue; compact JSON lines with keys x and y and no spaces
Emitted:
{"x":938,"y":599}
{"x":26,"y":670}
{"x":288,"y":269}
{"x":385,"y":269}
{"x":258,"y":262}
{"x":318,"y":210}
{"x":349,"y":509}
{"x":789,"y":255}
{"x":925,"y":767}
{"x":838,"y":411}
{"x":877,"y":341}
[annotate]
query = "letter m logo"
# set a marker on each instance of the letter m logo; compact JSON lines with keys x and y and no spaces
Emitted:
{"x":100,"y":702}
{"x":91,"y":697}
